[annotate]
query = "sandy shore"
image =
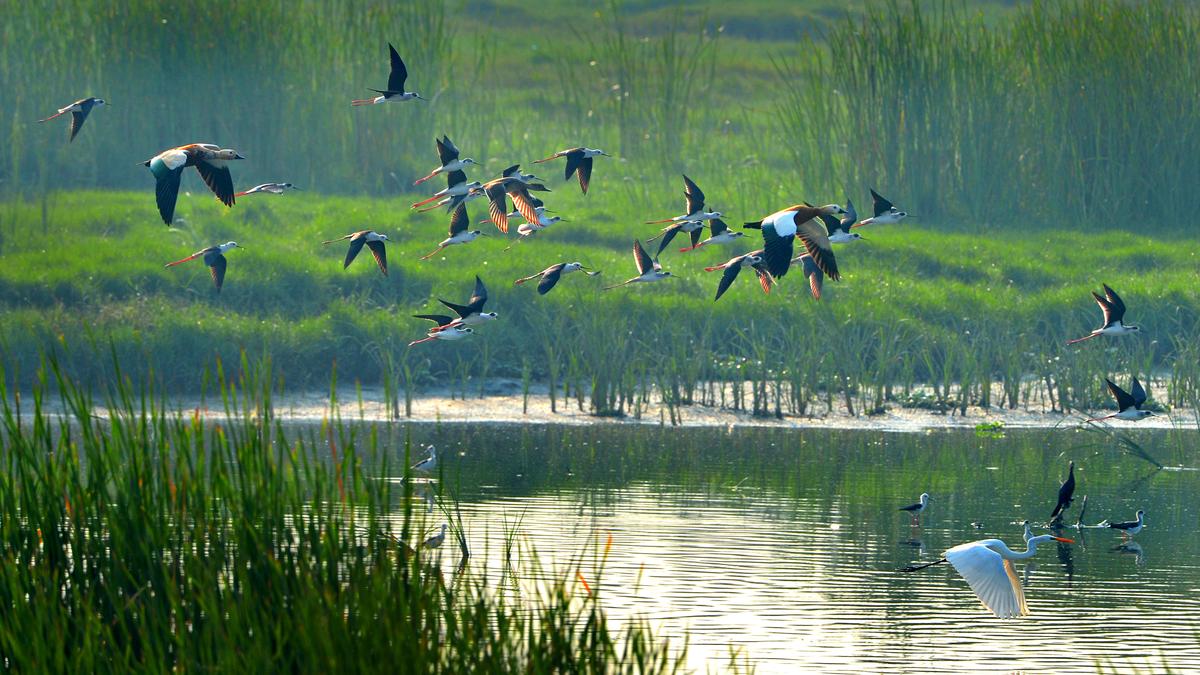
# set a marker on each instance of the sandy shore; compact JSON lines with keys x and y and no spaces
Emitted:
{"x":503,"y":404}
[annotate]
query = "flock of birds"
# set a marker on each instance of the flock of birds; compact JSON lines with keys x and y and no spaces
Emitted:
{"x":985,"y":564}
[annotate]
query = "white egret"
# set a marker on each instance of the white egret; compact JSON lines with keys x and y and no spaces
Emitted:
{"x":987,"y":566}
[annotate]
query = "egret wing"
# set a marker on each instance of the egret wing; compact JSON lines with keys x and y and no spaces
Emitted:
{"x":992,"y":578}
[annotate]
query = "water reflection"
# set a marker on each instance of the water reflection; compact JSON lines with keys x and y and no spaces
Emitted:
{"x":786,"y":543}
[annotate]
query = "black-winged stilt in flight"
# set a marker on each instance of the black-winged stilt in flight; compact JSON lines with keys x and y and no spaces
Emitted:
{"x":885,"y":212}
{"x":719,"y":233}
{"x":472,"y":314}
{"x":1114,"y":315}
{"x":734,"y":266}
{"x":79,"y":111}
{"x":448,"y":154}
{"x":1129,"y":404}
{"x":648,"y":268}
{"x":693,"y":206}
{"x":549,"y":277}
{"x":270,"y":188}
{"x":457,"y":190}
{"x":372,"y":240}
{"x":395,"y":88}
{"x":447,"y":328}
{"x":579,"y":160}
{"x":459,"y":234}
{"x":214,"y":258}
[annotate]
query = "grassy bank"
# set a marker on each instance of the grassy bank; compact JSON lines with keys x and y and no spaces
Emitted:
{"x":1067,"y":112}
{"x":919,"y":304}
{"x":147,"y":542}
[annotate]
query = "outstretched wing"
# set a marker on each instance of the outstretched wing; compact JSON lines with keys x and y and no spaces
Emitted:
{"x":1124,"y":400}
{"x":356,"y":244}
{"x":218,"y":179}
{"x":991,"y":577}
{"x":816,"y":242}
{"x":693,"y":196}
{"x":380,"y":252}
{"x":641,"y":258}
{"x":777,"y":251}
{"x":77,"y":119}
{"x":731,"y":272}
{"x":216,"y":267}
{"x":881,"y":205}
{"x":440,"y":319}
{"x":816,"y":278}
{"x":549,"y":278}
{"x":585,"y":174}
{"x":1116,"y":307}
{"x":166,"y":193}
{"x":1137,"y":392}
{"x":480,"y":295}
{"x":498,"y":205}
{"x":459,"y":220}
{"x":399,"y":72}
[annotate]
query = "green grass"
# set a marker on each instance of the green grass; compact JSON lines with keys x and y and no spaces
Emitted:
{"x":918,"y":303}
{"x":149,"y":542}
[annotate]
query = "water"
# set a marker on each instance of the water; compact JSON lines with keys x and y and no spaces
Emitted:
{"x":784,"y":545}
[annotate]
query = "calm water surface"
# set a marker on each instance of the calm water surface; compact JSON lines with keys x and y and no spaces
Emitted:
{"x":785,"y":544}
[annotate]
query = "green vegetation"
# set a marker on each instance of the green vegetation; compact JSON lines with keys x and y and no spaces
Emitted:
{"x":148,"y":542}
{"x":1026,"y":192}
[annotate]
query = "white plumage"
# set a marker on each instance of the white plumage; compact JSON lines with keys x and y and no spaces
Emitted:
{"x":992,"y":577}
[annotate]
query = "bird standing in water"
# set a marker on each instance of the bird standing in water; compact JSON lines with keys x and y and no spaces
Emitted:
{"x":1066,"y":493}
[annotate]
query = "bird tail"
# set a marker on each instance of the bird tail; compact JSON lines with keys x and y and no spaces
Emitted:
{"x":754,"y":225}
{"x":914,"y":568}
{"x":1086,"y":337}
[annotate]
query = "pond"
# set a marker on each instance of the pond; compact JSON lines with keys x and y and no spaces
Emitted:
{"x":785,"y":544}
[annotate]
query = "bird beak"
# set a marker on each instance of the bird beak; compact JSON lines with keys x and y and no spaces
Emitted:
{"x":1064,"y":540}
{"x":238,"y":156}
{"x":297,"y":189}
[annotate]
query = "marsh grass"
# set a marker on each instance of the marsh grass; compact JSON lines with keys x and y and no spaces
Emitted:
{"x":142,"y":540}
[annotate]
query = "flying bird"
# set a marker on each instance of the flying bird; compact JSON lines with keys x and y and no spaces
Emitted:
{"x":885,"y":212}
{"x":781,"y":228}
{"x":839,"y":228}
{"x":457,"y":189}
{"x":472,"y":314}
{"x":719,"y":233}
{"x":816,"y":278}
{"x":648,"y":269}
{"x":695,"y":228}
{"x":214,"y":258}
{"x":579,"y":160}
{"x":549,"y":277}
{"x":272,"y":188}
{"x":734,"y":266}
{"x":447,"y":328}
{"x":500,"y":189}
{"x":79,"y":111}
{"x":459,"y":234}
{"x":395,"y":89}
{"x":916,"y":509}
{"x":448,"y":154}
{"x":210,"y":162}
{"x":693,"y":206}
{"x":1114,"y":315}
{"x":1129,"y":404}
{"x":1066,"y":493}
{"x":987,"y":567}
{"x":372,"y":239}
